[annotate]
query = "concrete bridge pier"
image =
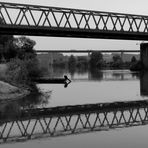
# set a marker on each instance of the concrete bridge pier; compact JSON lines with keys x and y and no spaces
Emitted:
{"x":89,"y":54}
{"x":50,"y":64}
{"x":144,"y":55}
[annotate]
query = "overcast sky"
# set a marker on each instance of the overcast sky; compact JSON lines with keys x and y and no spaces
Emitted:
{"x":122,"y":6}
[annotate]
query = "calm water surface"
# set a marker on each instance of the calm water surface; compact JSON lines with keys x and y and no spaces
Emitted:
{"x":95,"y":87}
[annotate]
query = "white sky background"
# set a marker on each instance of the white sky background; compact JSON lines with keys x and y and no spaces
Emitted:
{"x":120,"y":6}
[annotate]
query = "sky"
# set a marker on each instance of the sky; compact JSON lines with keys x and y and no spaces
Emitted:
{"x":120,"y":6}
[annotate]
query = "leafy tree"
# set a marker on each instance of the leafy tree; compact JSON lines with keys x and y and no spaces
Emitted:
{"x":72,"y":62}
{"x":133,"y":59}
{"x":72,"y":65}
{"x":5,"y":43}
{"x":24,"y":47}
{"x":10,"y":47}
{"x":116,"y":58}
{"x":21,"y":60}
{"x":82,"y":62}
{"x":117,"y":61}
{"x":96,"y":59}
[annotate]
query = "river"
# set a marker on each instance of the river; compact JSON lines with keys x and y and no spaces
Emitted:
{"x":96,"y":87}
{"x":88,"y":88}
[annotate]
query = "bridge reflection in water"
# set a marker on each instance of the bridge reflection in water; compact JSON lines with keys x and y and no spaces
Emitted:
{"x":27,"y":121}
{"x":61,"y":121}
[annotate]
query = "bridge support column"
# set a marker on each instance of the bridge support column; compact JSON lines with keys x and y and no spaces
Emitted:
{"x":122,"y":53}
{"x":144,"y":83}
{"x":50,"y":64}
{"x":89,"y":55}
{"x":144,"y":55}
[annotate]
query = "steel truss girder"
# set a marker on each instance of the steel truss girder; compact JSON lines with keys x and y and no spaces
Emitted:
{"x":21,"y":19}
{"x":83,"y":118}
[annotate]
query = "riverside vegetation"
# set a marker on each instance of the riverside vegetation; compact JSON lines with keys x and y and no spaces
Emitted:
{"x":19,"y":66}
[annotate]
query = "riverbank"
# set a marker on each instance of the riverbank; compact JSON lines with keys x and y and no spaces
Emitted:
{"x":16,"y":78}
{"x":8,"y":91}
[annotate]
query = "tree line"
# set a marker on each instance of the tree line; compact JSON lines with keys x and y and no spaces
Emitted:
{"x":96,"y":60}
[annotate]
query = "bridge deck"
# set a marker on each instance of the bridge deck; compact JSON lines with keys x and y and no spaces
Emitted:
{"x":86,"y":51}
{"x":38,"y":20}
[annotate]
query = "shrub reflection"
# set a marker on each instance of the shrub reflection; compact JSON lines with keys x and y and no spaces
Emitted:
{"x":11,"y":109}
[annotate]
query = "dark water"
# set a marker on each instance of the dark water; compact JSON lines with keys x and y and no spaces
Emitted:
{"x":92,"y":87}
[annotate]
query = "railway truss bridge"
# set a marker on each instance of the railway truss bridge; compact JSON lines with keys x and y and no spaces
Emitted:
{"x":35,"y":20}
{"x":23,"y":19}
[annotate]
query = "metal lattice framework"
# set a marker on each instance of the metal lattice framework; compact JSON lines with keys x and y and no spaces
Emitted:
{"x":65,"y":120}
{"x":63,"y":22}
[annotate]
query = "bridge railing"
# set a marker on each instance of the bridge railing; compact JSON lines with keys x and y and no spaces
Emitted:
{"x":75,"y":19}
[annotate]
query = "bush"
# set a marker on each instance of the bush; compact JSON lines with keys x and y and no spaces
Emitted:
{"x":96,"y":59}
{"x":17,"y":72}
{"x":137,"y":66}
{"x":20,"y":72}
